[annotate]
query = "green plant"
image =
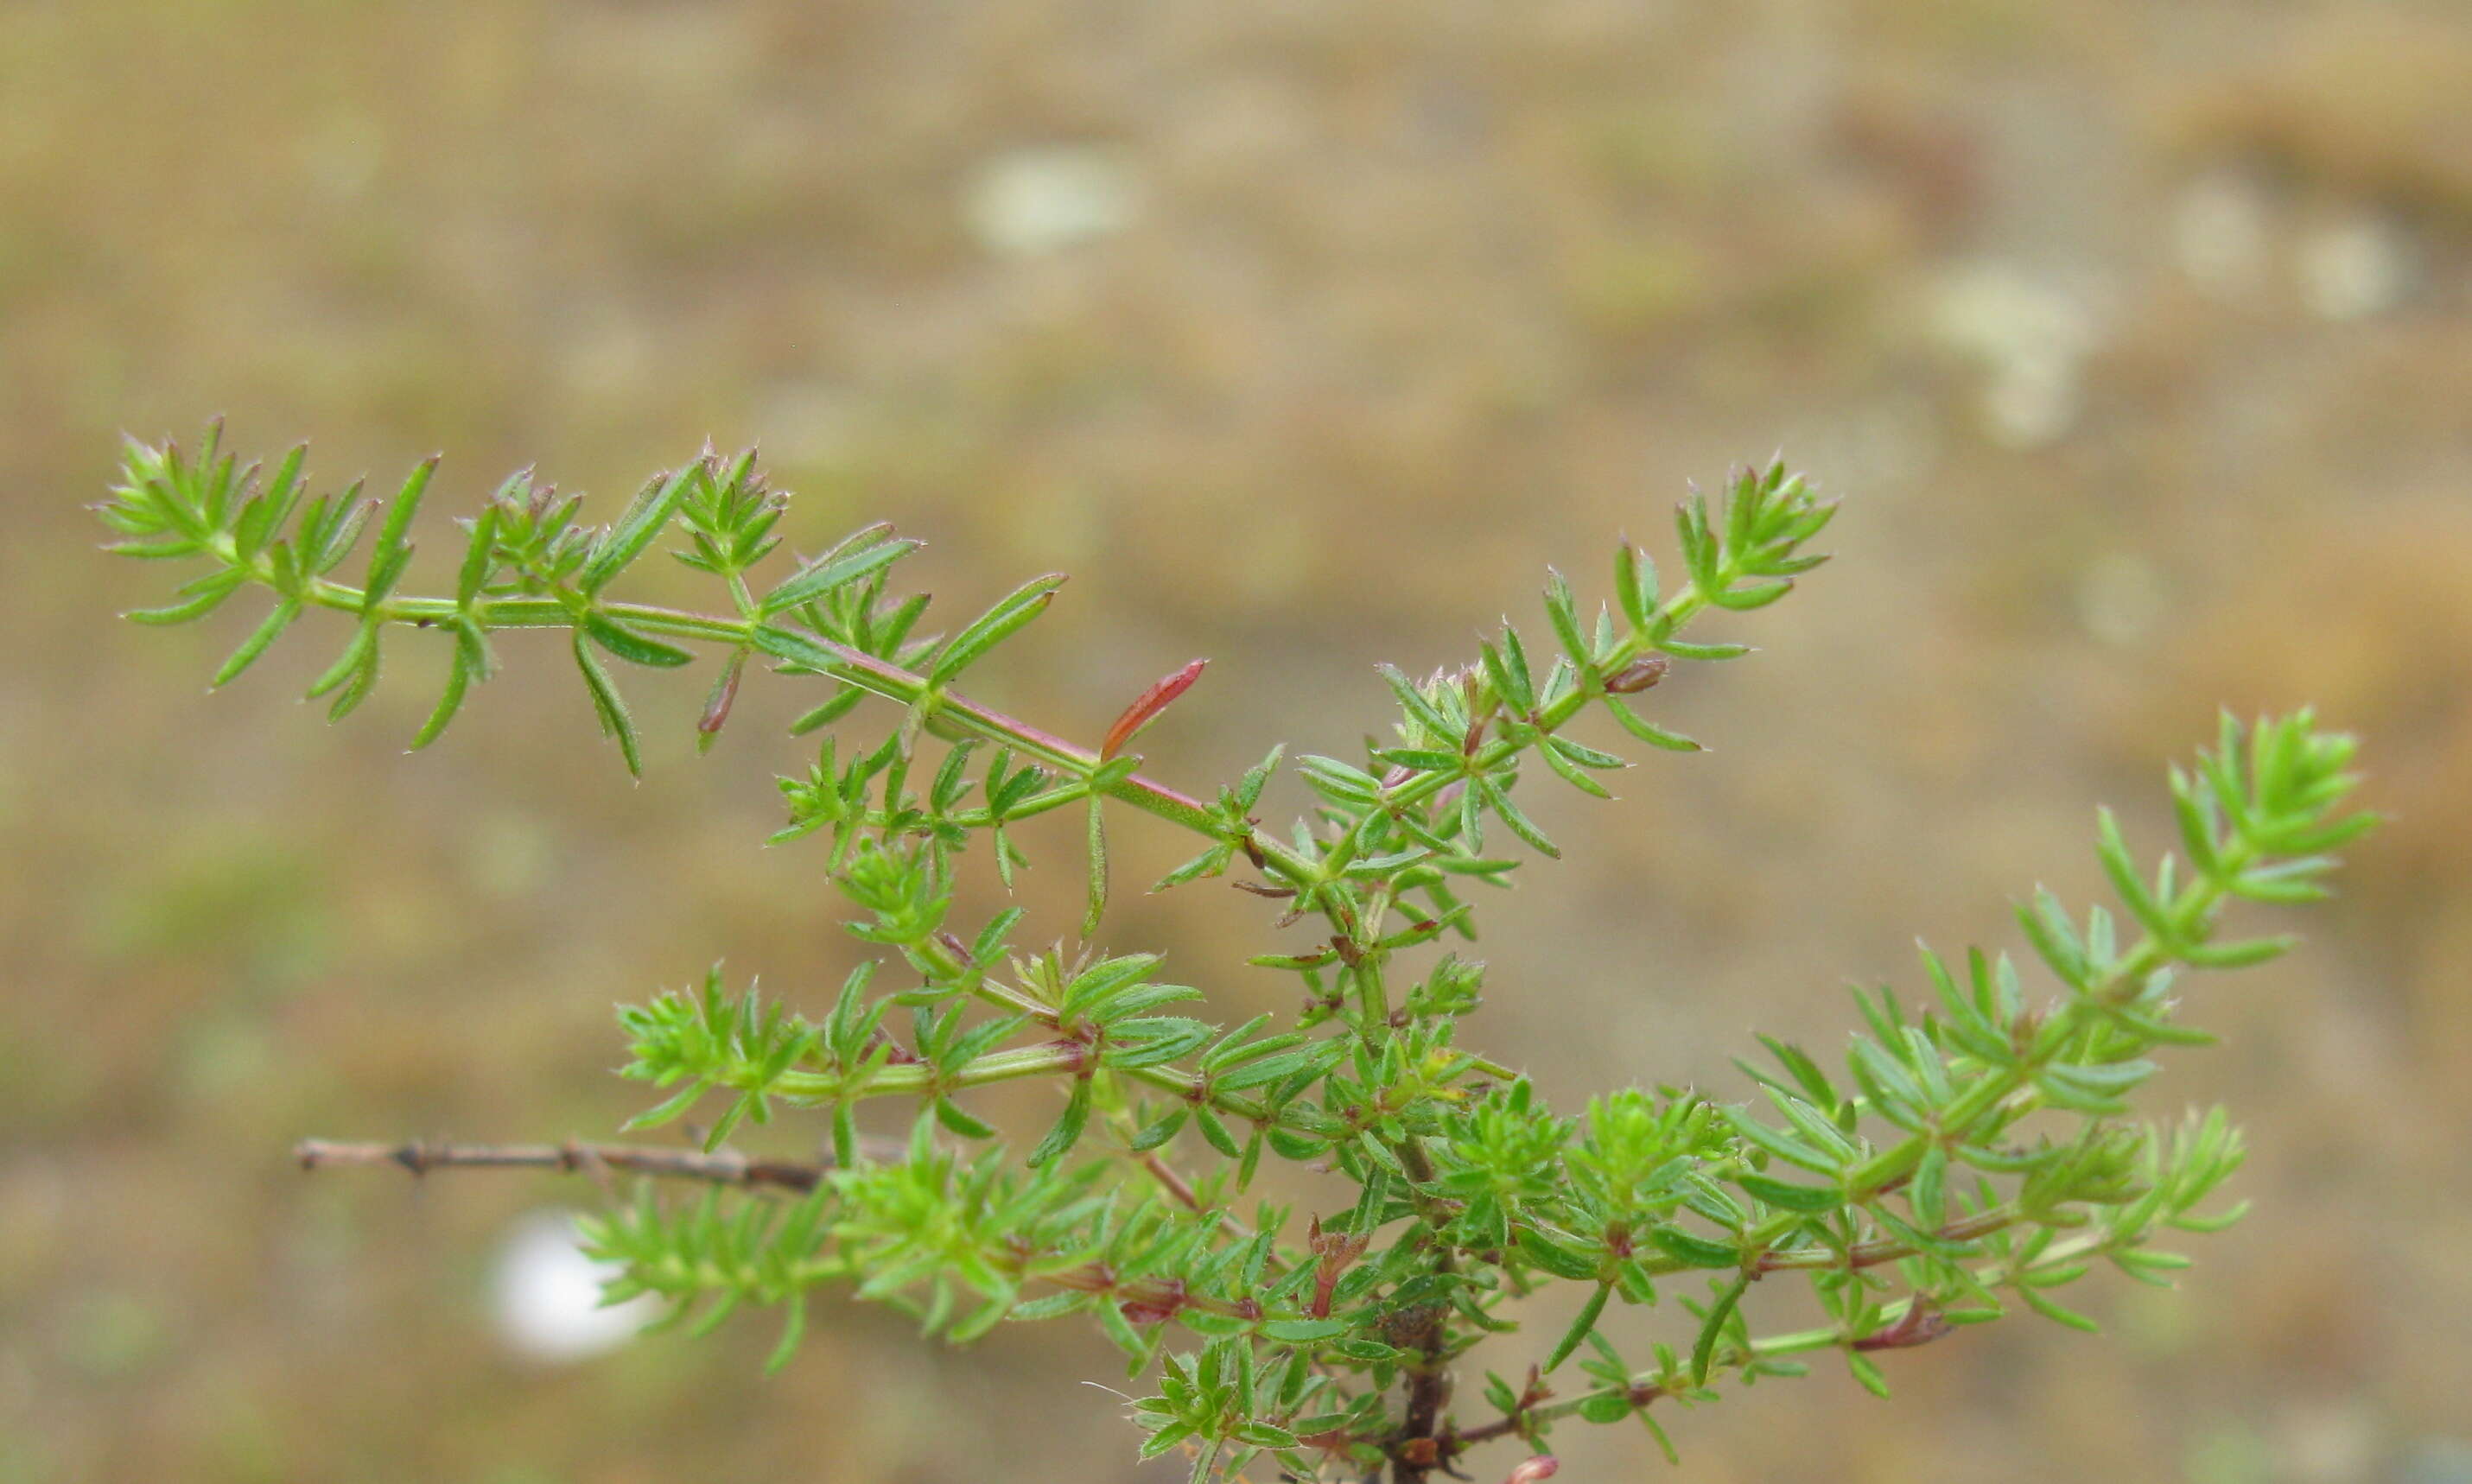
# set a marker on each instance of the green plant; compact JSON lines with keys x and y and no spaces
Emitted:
{"x":1972,"y":1155}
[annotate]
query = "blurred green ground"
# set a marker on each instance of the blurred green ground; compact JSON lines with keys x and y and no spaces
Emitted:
{"x":2138,"y":338}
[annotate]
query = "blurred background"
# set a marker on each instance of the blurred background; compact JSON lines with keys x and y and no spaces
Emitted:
{"x":2137,"y":339}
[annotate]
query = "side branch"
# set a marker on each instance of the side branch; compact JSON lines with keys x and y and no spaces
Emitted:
{"x":725,"y":1166}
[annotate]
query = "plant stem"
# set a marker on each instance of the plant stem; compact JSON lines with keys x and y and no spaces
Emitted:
{"x":2151,"y":953}
{"x":721,"y":1166}
{"x":1678,"y":610}
{"x":1646,"y":1388}
{"x":851,"y":666}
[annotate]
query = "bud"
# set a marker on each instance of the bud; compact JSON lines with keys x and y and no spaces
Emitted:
{"x":1638,"y":675}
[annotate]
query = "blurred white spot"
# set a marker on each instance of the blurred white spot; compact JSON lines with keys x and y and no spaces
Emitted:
{"x":2220,"y":234}
{"x":547,"y":1294}
{"x":2033,"y":337}
{"x":2032,"y":400}
{"x":1998,"y":311}
{"x":1039,"y":200}
{"x":2356,"y":268}
{"x":2120,"y":597}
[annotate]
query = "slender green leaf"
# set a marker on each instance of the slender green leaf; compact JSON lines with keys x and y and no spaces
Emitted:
{"x":470,"y":663}
{"x":645,"y":516}
{"x":834,"y":572}
{"x":1096,"y":837}
{"x":1581,"y":1326}
{"x":635,"y":649}
{"x":1067,"y":1130}
{"x":256,"y":645}
{"x":608,"y":705}
{"x":1011,"y":614}
{"x":1703,"y":1350}
{"x":391,"y":552}
{"x":204,"y":597}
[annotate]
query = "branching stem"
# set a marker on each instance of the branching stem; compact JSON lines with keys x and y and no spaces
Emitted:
{"x":720,"y":1166}
{"x":854,"y":666}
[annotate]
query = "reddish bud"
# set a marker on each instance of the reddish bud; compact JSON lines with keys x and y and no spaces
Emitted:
{"x":1920,"y":1324}
{"x":1147,"y":706}
{"x":1333,"y":1254}
{"x":1638,"y":675}
{"x":725,"y":695}
{"x":1088,"y":1278}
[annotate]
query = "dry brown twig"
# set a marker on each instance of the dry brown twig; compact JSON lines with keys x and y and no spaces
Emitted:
{"x":720,"y":1166}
